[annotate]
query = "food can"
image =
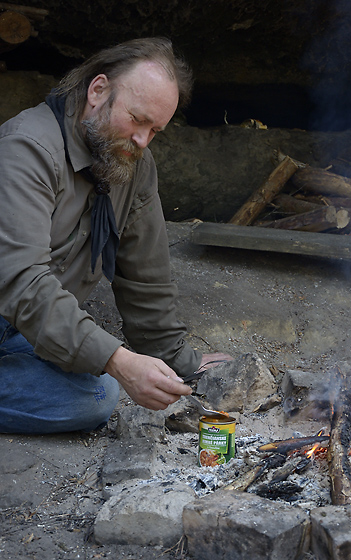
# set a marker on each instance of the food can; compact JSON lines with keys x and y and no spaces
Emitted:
{"x":216,"y":441}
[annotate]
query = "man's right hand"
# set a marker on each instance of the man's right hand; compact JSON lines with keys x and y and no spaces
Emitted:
{"x":147,"y":380}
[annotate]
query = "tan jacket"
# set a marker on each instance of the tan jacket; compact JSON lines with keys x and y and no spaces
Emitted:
{"x":45,"y":273}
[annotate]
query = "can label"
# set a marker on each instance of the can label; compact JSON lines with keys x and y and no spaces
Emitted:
{"x":216,"y":441}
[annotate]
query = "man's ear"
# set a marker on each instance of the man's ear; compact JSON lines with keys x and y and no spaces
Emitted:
{"x":98,"y":91}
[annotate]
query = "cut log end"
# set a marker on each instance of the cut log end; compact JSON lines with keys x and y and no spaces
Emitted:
{"x":15,"y":28}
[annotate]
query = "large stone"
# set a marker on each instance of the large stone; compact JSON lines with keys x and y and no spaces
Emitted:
{"x":149,"y":514}
{"x":126,"y":460}
{"x":136,"y":422}
{"x":244,"y":526}
{"x":307,"y":394}
{"x":239,"y":385}
{"x":331,"y":532}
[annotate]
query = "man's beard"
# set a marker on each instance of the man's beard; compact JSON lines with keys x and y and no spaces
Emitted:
{"x":110,"y":165}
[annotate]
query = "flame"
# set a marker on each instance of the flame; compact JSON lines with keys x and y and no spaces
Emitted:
{"x":310,"y":453}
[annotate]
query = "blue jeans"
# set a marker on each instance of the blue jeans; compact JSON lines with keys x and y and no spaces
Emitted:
{"x":38,"y":397}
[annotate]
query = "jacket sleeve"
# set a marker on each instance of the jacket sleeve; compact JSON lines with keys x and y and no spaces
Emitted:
{"x":32,"y":299}
{"x":144,"y":293}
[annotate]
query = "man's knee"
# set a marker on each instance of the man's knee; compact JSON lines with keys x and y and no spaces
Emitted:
{"x":106,"y":394}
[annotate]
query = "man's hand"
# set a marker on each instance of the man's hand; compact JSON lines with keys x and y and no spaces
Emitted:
{"x":148,"y":381}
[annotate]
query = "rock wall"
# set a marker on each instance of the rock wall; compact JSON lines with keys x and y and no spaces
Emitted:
{"x":204,"y":173}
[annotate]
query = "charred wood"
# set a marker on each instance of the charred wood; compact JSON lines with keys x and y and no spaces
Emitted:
{"x":286,"y":445}
{"x":242,"y":483}
{"x":273,"y":490}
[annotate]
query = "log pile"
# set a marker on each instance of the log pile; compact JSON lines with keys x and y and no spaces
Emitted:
{"x":291,"y":212}
{"x":315,"y":200}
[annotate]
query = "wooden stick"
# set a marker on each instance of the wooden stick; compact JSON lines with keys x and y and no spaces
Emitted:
{"x":265,"y":194}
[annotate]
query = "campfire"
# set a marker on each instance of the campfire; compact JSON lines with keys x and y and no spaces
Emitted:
{"x":274,"y":489}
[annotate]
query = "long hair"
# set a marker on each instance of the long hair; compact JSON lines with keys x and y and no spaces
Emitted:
{"x":117,"y":60}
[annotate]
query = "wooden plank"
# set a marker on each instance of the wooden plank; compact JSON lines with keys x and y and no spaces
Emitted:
{"x":281,"y":241}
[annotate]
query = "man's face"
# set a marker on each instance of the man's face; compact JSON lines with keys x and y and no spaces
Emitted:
{"x":144,"y":102}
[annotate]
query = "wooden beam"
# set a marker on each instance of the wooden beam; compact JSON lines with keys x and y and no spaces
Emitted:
{"x":281,"y":241}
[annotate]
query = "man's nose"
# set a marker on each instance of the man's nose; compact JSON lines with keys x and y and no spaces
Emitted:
{"x":142,"y":138}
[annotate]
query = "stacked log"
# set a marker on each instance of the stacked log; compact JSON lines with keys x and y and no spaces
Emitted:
{"x":16,"y":24}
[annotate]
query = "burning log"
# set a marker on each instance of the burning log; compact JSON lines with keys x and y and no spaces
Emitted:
{"x":242,"y":483}
{"x":265,"y":194}
{"x":339,"y":447}
{"x":286,"y":445}
{"x":319,"y":220}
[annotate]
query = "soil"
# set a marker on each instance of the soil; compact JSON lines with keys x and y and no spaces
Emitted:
{"x":293,"y":311}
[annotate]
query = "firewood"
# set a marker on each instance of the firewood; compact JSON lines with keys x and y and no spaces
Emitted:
{"x":321,"y":181}
{"x":265,"y":194}
{"x":242,"y":483}
{"x":37,"y":14}
{"x":15,"y":28}
{"x":286,"y":445}
{"x":337,"y":201}
{"x":319,"y":220}
{"x":340,"y":441}
{"x":290,"y":204}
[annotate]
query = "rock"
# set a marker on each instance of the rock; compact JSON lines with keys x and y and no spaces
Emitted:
{"x":306,"y":394}
{"x":239,"y":385}
{"x":182,"y":417}
{"x":126,"y":460}
{"x":136,"y":422}
{"x":147,"y":515}
{"x":331,"y":532}
{"x":244,"y":526}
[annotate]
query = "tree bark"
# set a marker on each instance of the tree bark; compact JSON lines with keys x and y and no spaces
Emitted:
{"x":265,"y":194}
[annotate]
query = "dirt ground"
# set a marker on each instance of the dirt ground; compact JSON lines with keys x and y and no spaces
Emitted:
{"x":293,"y":311}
